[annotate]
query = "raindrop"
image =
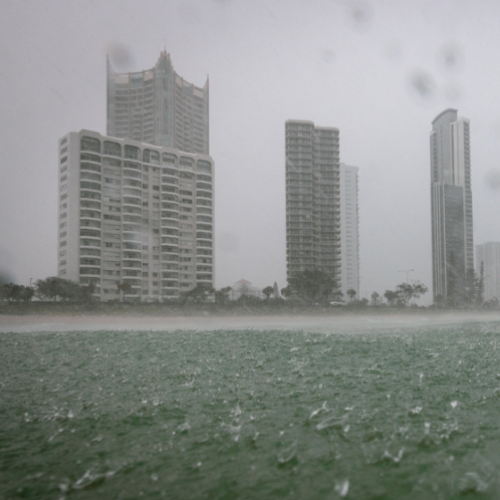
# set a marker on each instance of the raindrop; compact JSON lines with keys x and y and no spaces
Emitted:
{"x":422,"y":87}
{"x":342,"y":487}
{"x":415,"y":411}
{"x":472,"y":483}
{"x":185,"y":427}
{"x":361,"y":15}
{"x":450,"y":58}
{"x":120,"y":56}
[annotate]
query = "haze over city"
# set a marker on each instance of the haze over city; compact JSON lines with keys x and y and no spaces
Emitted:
{"x":379,"y":72}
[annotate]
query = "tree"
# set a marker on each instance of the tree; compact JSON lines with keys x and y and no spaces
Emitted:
{"x":406,"y":292}
{"x":286,"y":292}
{"x":197,"y":295}
{"x":312,"y":285}
{"x":16,"y":293}
{"x":351,"y":293}
{"x":391,"y":297}
{"x":268,"y":291}
{"x":66,"y":290}
{"x":375,"y":297}
{"x":222,"y":295}
{"x":27,"y":293}
{"x":124,"y":287}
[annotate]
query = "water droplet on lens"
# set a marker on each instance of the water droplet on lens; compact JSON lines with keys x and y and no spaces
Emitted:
{"x":450,"y":58}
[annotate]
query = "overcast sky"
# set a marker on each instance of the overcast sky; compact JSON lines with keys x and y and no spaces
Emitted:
{"x":379,"y":71}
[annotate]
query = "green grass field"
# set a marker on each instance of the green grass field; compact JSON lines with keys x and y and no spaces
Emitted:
{"x":410,"y":413}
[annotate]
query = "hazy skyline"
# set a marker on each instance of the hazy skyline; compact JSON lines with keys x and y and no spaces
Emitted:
{"x":378,"y":71}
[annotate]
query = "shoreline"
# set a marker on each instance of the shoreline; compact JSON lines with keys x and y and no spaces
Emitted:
{"x":320,"y":324}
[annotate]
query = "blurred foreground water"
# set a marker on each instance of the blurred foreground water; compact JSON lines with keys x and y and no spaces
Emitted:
{"x":409,"y":413}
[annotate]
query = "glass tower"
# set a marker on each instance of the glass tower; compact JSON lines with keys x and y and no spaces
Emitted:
{"x":451,"y":206}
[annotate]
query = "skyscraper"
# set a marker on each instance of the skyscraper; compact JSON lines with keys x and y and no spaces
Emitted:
{"x":312,"y":198}
{"x":135,"y":207}
{"x":451,"y":206}
{"x":349,"y":238}
{"x":159,"y":107}
{"x":488,"y":255}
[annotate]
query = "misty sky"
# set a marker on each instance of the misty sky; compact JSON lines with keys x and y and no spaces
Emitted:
{"x":379,"y":71}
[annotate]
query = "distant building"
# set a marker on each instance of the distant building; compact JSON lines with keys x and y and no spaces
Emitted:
{"x":244,"y":287}
{"x":488,"y":254}
{"x":312,"y":199}
{"x":451,"y":206}
{"x":136,"y":213}
{"x":159,"y":107}
{"x":349,"y":229}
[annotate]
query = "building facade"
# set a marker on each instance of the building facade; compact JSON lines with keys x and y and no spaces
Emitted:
{"x":136,"y":213}
{"x":349,"y":224}
{"x":312,"y":199}
{"x":159,"y":107}
{"x":488,"y":256}
{"x":451,"y":206}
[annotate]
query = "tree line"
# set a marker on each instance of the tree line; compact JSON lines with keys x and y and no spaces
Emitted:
{"x":308,"y":287}
{"x":52,"y":288}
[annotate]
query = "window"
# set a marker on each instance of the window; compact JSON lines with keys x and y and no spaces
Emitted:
{"x":90,"y":144}
{"x":204,"y":166}
{"x":90,"y":157}
{"x":112,"y":148}
{"x":168,"y":159}
{"x":132,"y":152}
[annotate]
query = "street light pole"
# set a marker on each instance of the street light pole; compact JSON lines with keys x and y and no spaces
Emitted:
{"x":407,"y":271}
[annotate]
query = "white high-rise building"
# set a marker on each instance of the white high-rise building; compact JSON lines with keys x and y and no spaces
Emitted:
{"x":135,"y":213}
{"x":349,"y":230}
{"x":451,"y":206}
{"x":488,"y":254}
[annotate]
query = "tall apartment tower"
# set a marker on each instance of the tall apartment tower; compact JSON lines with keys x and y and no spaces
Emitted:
{"x":136,"y":213}
{"x":159,"y":107}
{"x":312,"y":198}
{"x":451,"y":206}
{"x":488,"y":254}
{"x":135,"y":206}
{"x":349,"y":218}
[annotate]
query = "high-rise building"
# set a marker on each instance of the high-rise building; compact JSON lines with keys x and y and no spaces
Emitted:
{"x":312,"y":198}
{"x":159,"y":107}
{"x":451,"y":206}
{"x":135,"y":206}
{"x":134,"y":213}
{"x":488,"y":256}
{"x":349,"y":219}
